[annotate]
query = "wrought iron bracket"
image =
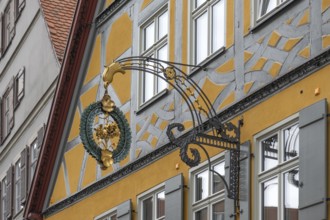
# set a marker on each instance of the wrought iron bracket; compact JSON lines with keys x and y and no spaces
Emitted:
{"x":207,"y":129}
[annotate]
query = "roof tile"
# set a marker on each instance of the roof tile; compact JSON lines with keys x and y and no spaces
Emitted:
{"x":59,"y":15}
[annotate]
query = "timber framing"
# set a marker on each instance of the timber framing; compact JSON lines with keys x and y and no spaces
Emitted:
{"x":236,"y":109}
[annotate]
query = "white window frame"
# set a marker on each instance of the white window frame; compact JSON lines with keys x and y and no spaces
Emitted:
{"x":151,"y":193}
{"x":212,"y":198}
{"x":153,"y":50}
{"x":107,"y":215}
{"x":17,"y":184}
{"x":277,"y":171}
{"x":206,"y":7}
{"x":33,"y":157}
{"x":257,"y":18}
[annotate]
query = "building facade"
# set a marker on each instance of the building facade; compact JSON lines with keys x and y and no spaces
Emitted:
{"x":262,"y":64}
{"x":29,"y":65}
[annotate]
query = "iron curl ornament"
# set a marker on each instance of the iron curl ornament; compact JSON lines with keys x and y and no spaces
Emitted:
{"x":207,"y":129}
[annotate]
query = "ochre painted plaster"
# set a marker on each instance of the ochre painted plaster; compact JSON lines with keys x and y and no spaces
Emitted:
{"x":275,"y":69}
{"x":172,"y":31}
{"x":247,"y":16}
{"x":291,"y":42}
{"x":306,"y":52}
{"x":74,"y":132}
{"x":304,"y":19}
{"x":145,"y":3}
{"x":247,"y":55}
{"x":59,"y":192}
{"x":325,"y":41}
{"x":94,"y":67}
{"x":227,"y":101}
{"x":184,"y":34}
{"x":274,"y":39}
{"x":90,"y":171}
{"x":227,"y":67}
{"x":247,"y":87}
{"x":325,"y":5}
{"x":74,"y":159}
{"x":108,"y":2}
{"x":89,"y":96}
{"x":119,"y":41}
{"x":260,"y":64}
{"x":230,"y":23}
{"x":212,"y":90}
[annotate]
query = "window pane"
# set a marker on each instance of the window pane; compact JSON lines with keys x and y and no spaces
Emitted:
{"x":266,"y":6}
{"x":162,"y":25}
{"x":218,"y":210}
{"x":218,"y":26}
{"x":199,"y":3}
{"x":291,"y":194}
{"x":147,"y":209}
{"x":149,"y":86}
{"x":269,"y":152}
{"x":201,"y":214}
{"x":149,"y":36}
{"x":270,"y":199}
{"x":291,"y":142}
{"x":201,"y":37}
{"x":202,"y":183}
{"x":218,"y":184}
{"x":160,"y":204}
{"x":162,"y":55}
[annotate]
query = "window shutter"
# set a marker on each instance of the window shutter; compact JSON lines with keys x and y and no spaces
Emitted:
{"x":12,"y":19}
{"x":11,"y":103}
{"x":124,"y":211}
{"x":174,"y":198}
{"x":9,"y":195}
{"x":40,"y":136}
{"x":229,"y":203}
{"x":24,"y":173}
{"x":1,"y":120}
{"x":244,"y":181}
{"x":312,"y":162}
{"x":1,"y":34}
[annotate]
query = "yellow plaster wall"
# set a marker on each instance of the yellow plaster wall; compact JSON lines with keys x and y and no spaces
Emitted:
{"x":74,"y":159}
{"x":94,"y":67}
{"x":145,"y":4}
{"x":74,"y":132}
{"x":267,"y":113}
{"x":59,"y":192}
{"x":120,"y":40}
{"x":230,"y":23}
{"x":90,"y":171}
{"x":108,"y":2}
{"x":247,"y":16}
{"x":89,"y":96}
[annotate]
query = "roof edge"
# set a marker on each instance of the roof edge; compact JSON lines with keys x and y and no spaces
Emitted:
{"x":73,"y":57}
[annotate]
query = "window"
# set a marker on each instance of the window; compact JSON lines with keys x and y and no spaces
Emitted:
{"x":153,"y":206}
{"x":278,"y":177}
{"x":208,"y":28}
{"x":6,"y":27}
{"x":19,"y":86}
{"x":17,"y":191}
{"x":3,"y":198}
{"x":155,"y":45}
{"x":208,"y":192}
{"x":34,"y":149}
{"x":266,"y":6}
{"x":110,"y":216}
{"x":7,"y":116}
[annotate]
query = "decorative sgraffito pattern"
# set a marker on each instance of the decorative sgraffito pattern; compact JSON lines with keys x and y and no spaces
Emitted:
{"x":151,"y":130}
{"x":325,"y":24}
{"x":279,"y":51}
